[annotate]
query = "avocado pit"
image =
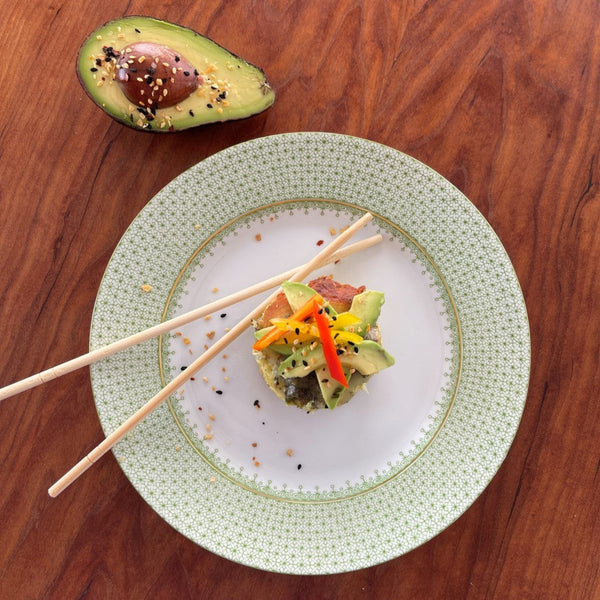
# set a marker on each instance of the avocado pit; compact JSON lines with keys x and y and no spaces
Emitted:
{"x":154,"y":75}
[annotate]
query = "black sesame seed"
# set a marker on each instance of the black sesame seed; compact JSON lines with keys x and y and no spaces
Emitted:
{"x":196,"y":72}
{"x":220,"y":392}
{"x":297,"y":330}
{"x":98,"y":62}
{"x":257,"y":403}
{"x":299,"y":467}
{"x":339,"y":351}
{"x":186,"y":73}
{"x":209,"y":105}
{"x":305,"y":363}
{"x":293,"y":362}
{"x":327,"y":309}
{"x":183,"y":368}
{"x":137,"y":30}
{"x":356,"y":349}
{"x":133,"y":69}
{"x":150,"y":71}
{"x":177,"y":59}
{"x":191,"y":113}
{"x":223,"y":315}
{"x":93,"y":69}
{"x":131,"y":117}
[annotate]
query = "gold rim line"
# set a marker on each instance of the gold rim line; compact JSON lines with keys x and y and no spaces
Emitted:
{"x":358,"y":493}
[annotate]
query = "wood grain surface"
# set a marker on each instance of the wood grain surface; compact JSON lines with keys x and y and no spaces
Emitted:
{"x":500,"y":97}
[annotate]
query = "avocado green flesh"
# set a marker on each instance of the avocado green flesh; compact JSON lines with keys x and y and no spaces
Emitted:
{"x":366,"y":306}
{"x":247,"y":91}
{"x":333,"y":392}
{"x":370,"y":359}
{"x":297,"y":294}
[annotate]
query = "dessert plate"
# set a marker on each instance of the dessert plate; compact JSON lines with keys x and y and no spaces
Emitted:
{"x":224,"y":461}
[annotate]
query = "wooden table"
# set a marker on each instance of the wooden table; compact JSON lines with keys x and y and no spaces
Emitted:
{"x":501,"y":98}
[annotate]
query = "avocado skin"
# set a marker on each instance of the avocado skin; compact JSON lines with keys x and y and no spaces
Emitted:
{"x":192,"y":114}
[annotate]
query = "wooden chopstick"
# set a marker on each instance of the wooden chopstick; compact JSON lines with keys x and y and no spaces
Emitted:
{"x":137,"y":338}
{"x":85,"y":463}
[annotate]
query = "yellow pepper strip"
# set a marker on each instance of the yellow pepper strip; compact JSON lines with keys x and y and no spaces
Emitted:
{"x":296,"y":327}
{"x":344,"y":319}
{"x":343,"y":337}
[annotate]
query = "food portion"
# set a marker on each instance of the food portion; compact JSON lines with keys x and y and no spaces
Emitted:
{"x":157,"y":76}
{"x":318,"y":344}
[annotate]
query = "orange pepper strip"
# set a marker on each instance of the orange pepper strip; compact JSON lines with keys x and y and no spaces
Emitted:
{"x":329,"y":350}
{"x":306,"y":310}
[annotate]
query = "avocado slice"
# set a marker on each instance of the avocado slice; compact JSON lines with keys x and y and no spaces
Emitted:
{"x":367,"y":358}
{"x":333,"y":392}
{"x":297,"y":294}
{"x":157,"y":76}
{"x":366,"y":306}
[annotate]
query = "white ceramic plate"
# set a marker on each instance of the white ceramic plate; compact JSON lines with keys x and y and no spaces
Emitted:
{"x":227,"y":463}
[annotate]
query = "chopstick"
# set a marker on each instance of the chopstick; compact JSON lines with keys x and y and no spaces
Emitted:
{"x":87,"y":461}
{"x":142,"y":336}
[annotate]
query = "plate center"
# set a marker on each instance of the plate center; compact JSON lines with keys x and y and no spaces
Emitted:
{"x":229,"y":415}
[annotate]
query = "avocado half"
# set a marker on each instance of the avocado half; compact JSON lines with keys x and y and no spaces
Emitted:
{"x":157,"y":76}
